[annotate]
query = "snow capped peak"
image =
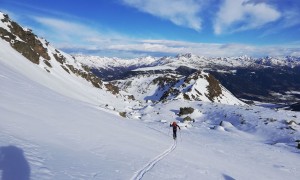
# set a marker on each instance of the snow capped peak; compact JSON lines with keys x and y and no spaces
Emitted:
{"x":106,"y":62}
{"x":190,"y":60}
{"x":1,"y":15}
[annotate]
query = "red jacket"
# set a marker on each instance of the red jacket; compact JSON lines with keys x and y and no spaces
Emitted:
{"x":174,"y":125}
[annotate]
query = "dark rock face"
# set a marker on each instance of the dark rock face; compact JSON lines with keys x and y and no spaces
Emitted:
{"x":186,"y":110}
{"x":295,"y":107}
{"x":4,"y":34}
{"x":123,"y":114}
{"x":214,"y":89}
{"x":170,"y":92}
{"x":86,"y":75}
{"x":30,"y":47}
{"x":193,"y":76}
{"x":131,"y":97}
{"x":165,"y":80}
{"x":48,"y":64}
{"x":28,"y":44}
{"x":59,"y":57}
{"x":185,"y":71}
{"x":30,"y":39}
{"x":26,"y":51}
{"x":113,"y":89}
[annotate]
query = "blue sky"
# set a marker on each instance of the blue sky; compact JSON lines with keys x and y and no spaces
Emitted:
{"x":133,"y":28}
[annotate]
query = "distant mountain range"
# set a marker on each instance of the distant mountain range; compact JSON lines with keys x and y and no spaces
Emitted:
{"x":268,"y":79}
{"x":191,"y":60}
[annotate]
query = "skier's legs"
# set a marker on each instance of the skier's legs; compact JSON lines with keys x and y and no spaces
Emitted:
{"x":174,"y":134}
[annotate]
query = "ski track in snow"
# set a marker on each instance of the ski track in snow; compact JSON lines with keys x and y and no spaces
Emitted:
{"x":139,"y":174}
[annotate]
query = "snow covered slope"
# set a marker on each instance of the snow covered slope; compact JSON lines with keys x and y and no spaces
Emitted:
{"x":31,"y":55}
{"x":63,"y":138}
{"x":57,"y":125}
{"x":57,"y":137}
{"x":199,"y":86}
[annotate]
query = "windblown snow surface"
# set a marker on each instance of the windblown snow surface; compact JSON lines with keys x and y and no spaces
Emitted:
{"x":49,"y":132}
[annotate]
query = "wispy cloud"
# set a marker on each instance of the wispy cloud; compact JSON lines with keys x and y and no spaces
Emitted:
{"x":290,"y":12}
{"x":78,"y":37}
{"x":205,"y":49}
{"x":180,"y":12}
{"x":75,"y":33}
{"x":240,"y":15}
{"x":159,"y":47}
{"x":65,"y":28}
{"x":291,"y":18}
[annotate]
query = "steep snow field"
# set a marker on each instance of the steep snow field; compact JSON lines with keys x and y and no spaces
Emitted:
{"x":52,"y":128}
{"x":64,"y":138}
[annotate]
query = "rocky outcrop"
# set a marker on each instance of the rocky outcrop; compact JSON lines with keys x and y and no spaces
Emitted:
{"x":165,"y":80}
{"x":214,"y":88}
{"x":24,"y":41}
{"x":86,"y":75}
{"x":113,"y":89}
{"x":31,"y":47}
{"x":199,"y":86}
{"x":185,"y":110}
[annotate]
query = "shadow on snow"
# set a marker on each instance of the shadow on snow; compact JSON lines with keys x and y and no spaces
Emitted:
{"x":13,"y":164}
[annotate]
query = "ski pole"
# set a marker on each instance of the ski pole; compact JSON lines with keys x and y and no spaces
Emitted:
{"x":180,"y":136}
{"x":169,"y":132}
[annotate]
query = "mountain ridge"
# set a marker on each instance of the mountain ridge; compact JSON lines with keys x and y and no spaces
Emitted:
{"x":252,"y":79}
{"x":188,"y":58}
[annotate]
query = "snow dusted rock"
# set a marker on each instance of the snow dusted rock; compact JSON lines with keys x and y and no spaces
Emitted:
{"x":294,"y":125}
{"x":200,"y":86}
{"x":23,"y":40}
{"x":40,"y":52}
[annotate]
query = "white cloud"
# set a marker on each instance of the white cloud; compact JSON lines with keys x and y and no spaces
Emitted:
{"x":66,"y":30}
{"x":167,"y":47}
{"x":66,"y":33}
{"x":240,"y":15}
{"x":80,"y":38}
{"x":291,"y":18}
{"x":180,"y":12}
